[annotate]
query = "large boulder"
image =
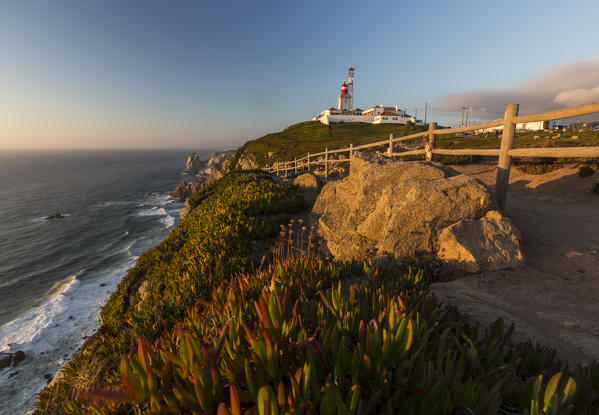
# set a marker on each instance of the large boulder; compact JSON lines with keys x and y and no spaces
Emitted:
{"x":489,"y":244}
{"x":395,"y":208}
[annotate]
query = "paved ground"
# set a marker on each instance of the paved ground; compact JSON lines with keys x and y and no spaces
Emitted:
{"x":555,"y":298}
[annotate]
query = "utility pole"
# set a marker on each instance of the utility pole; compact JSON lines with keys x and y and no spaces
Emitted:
{"x":462,"y":121}
{"x":425,"y":111}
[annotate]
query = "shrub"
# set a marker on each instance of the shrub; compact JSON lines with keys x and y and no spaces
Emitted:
{"x":538,"y":165}
{"x":585,"y":170}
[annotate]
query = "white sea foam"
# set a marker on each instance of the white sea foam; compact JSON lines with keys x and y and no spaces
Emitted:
{"x":168,"y":221}
{"x":159,"y":200}
{"x":155,"y":211}
{"x":52,"y":332}
{"x":18,"y":334}
{"x":114,"y":203}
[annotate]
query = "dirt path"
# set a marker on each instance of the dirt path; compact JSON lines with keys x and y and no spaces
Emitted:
{"x":555,"y":298}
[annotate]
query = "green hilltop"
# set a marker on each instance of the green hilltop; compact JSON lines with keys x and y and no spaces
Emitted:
{"x":313,"y":136}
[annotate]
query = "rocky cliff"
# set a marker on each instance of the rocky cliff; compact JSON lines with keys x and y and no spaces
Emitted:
{"x":206,"y":171}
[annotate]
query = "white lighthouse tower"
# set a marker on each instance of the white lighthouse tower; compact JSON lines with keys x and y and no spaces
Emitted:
{"x":344,"y":100}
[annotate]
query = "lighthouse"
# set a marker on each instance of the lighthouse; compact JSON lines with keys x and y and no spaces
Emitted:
{"x":344,"y":99}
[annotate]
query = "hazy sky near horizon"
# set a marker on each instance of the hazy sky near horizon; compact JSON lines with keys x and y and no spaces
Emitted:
{"x":197,"y":74}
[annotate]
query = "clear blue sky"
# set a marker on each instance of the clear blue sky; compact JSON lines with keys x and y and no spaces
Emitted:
{"x":142,"y":73}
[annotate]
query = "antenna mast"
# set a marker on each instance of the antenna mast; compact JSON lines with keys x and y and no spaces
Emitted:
{"x":350,"y":84}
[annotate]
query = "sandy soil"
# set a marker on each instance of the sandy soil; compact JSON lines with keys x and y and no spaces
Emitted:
{"x":554,"y":299}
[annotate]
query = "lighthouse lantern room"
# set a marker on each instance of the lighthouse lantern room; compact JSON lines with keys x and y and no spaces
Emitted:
{"x":344,"y":100}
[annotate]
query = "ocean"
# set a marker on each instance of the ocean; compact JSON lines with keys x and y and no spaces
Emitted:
{"x":55,"y":275}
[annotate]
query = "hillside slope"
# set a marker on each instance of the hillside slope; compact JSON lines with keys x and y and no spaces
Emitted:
{"x":313,"y":136}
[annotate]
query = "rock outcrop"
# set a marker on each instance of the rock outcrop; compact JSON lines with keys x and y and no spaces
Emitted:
{"x":205,"y":171}
{"x":396,"y":208}
{"x":55,"y":216}
{"x":8,"y":359}
{"x":193,"y":163}
{"x":489,"y":244}
{"x":185,"y":189}
{"x":247,"y":161}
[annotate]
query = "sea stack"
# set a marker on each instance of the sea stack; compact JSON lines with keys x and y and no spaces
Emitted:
{"x":193,"y":163}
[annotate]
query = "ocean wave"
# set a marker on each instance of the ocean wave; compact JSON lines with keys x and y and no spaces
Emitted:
{"x":52,"y":332}
{"x":155,"y":211}
{"x":22,"y":331}
{"x":168,"y":221}
{"x":159,"y":200}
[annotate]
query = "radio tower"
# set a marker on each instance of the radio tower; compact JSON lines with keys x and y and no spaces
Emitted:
{"x":350,"y":84}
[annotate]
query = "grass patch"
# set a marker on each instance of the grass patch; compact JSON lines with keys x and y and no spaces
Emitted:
{"x":314,"y":136}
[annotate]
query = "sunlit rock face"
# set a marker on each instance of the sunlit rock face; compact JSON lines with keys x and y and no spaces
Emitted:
{"x":396,"y":208}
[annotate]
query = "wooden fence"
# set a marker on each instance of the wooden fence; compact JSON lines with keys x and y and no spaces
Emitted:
{"x":505,"y":153}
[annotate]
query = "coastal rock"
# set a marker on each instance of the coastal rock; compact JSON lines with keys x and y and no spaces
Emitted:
{"x":11,"y":359}
{"x":218,"y":163}
{"x":5,"y":360}
{"x":57,"y":377}
{"x":396,"y":208}
{"x":144,"y":293}
{"x":184,"y":189}
{"x":55,"y":216}
{"x":247,"y":161}
{"x":193,"y":163}
{"x":489,"y":244}
{"x":184,"y":210}
{"x":205,"y":171}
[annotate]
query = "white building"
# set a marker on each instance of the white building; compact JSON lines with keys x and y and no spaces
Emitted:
{"x":528,"y":126}
{"x":378,"y":114}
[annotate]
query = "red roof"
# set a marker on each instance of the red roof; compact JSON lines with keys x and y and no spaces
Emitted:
{"x":395,"y":114}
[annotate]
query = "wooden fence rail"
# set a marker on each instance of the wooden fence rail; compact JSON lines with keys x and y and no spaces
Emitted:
{"x":505,"y":153}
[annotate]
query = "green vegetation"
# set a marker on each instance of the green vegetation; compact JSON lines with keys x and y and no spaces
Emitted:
{"x":314,"y":136}
{"x":216,"y":333}
{"x":209,"y":246}
{"x":296,"y":339}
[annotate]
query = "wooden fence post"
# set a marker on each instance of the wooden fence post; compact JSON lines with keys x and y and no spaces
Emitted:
{"x":390,"y":149}
{"x":431,"y":141}
{"x":326,"y":163}
{"x":286,"y":168}
{"x":308,"y":161}
{"x":295,"y":165}
{"x":351,"y":150}
{"x":505,"y":161}
{"x":277,"y":167}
